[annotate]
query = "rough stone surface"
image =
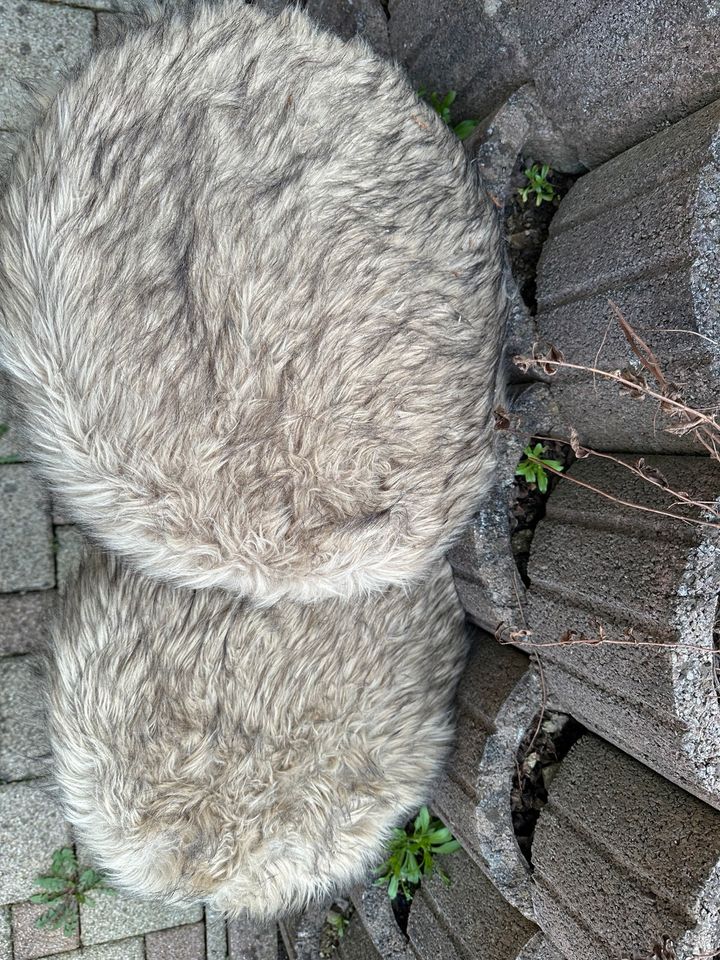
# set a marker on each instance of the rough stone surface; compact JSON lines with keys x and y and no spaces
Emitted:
{"x":119,"y":950}
{"x":39,"y":43}
{"x":31,"y":829}
{"x":497,"y":699}
{"x":301,"y":933}
{"x":26,"y":557}
{"x":350,"y":18}
{"x":642,"y":855}
{"x":24,"y":620}
{"x":116,"y":917}
{"x":177,"y":943}
{"x":70,"y":545}
{"x":250,"y":941}
{"x":24,"y":746}
{"x":644,"y":578}
{"x":30,"y":942}
{"x":641,"y":231}
{"x":469,"y":919}
{"x":539,"y":948}
{"x":378,"y":934}
{"x":357,"y":944}
{"x":216,"y":945}
{"x":5,"y":935}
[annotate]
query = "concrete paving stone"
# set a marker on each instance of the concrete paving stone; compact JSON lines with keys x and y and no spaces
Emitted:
{"x":468,"y":919}
{"x":375,"y":914}
{"x":132,"y":949}
{"x":350,"y":18}
{"x":641,"y":231}
{"x":177,"y":943}
{"x":29,"y":941}
{"x":26,"y":556}
{"x":645,"y":579}
{"x":623,"y":858}
{"x":24,"y":621}
{"x":71,"y":543}
{"x":216,"y":946}
{"x":301,"y":932}
{"x":539,"y":948}
{"x":31,"y":829}
{"x":252,"y":941}
{"x":24,"y":747}
{"x":117,"y":917}
{"x":5,"y":935}
{"x":463,"y":46}
{"x":39,"y":43}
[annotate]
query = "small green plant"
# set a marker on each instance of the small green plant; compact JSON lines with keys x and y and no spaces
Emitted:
{"x":532,"y":466}
{"x":338,"y":921}
{"x":412,"y":854}
{"x":65,"y":887}
{"x":538,"y":184}
{"x":442,"y":105}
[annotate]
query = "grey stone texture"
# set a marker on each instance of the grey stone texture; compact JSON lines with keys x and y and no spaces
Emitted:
{"x":133,"y":949}
{"x":26,"y":556}
{"x":29,"y":941}
{"x":357,"y":944}
{"x":376,"y":933}
{"x":641,"y":231}
{"x":70,"y":546}
{"x":39,"y":44}
{"x":31,"y":829}
{"x":350,"y":18}
{"x":468,"y":920}
{"x":177,"y":943}
{"x":301,"y":933}
{"x":24,"y":747}
{"x":117,"y":917}
{"x":6,"y":949}
{"x":622,"y":859}
{"x":539,"y":948}
{"x":24,"y":621}
{"x":216,"y":945}
{"x":498,"y":698}
{"x":251,"y":941}
{"x":651,"y":585}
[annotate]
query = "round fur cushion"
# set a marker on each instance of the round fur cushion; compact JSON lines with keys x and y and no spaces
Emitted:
{"x":251,"y":307}
{"x":251,"y":758}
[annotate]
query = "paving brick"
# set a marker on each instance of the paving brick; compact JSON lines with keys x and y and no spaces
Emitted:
{"x":31,"y":829}
{"x":5,"y":935}
{"x":24,"y":747}
{"x":641,"y":231}
{"x":117,"y":917}
{"x":251,"y":941}
{"x":378,"y":934}
{"x":39,"y":43}
{"x":133,"y":949}
{"x":350,"y":18}
{"x":24,"y":621}
{"x":301,"y":933}
{"x":623,"y":858}
{"x":70,"y":546}
{"x":539,"y":948}
{"x":644,"y":578}
{"x":178,"y":943}
{"x":356,"y":944}
{"x":216,"y":946}
{"x":498,"y":698}
{"x":30,"y":942}
{"x":468,"y":919}
{"x":26,"y":556}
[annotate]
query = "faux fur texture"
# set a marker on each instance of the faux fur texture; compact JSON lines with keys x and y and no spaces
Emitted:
{"x":252,"y":758}
{"x":252,"y":308}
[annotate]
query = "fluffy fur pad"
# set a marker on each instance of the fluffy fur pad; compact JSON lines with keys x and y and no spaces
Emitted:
{"x":252,"y":758}
{"x":251,"y":305}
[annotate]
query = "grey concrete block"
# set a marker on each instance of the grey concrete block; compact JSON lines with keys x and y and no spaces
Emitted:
{"x":71,"y":543}
{"x":498,"y":697}
{"x":24,"y":747}
{"x":31,"y":829}
{"x":373,"y":931}
{"x":641,"y":231}
{"x":463,"y":46}
{"x":6,"y":949}
{"x":625,"y":70}
{"x":26,"y":556}
{"x":356,"y":944}
{"x":646,"y":579}
{"x":24,"y":621}
{"x":468,"y":919}
{"x":216,"y":945}
{"x":350,"y":18}
{"x":133,"y":949}
{"x":117,"y":917}
{"x":301,"y":933}
{"x":251,"y":941}
{"x":624,"y":858}
{"x":539,"y":948}
{"x":39,"y":43}
{"x":29,"y":942}
{"x":177,"y":943}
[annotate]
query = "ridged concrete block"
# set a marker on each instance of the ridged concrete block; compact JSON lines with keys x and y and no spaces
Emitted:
{"x":353,"y":18}
{"x":468,"y":920}
{"x":248,"y":940}
{"x":26,"y":556}
{"x":622,"y":859}
{"x":646,"y":579}
{"x":301,"y":933}
{"x":24,"y":621}
{"x":498,"y":697}
{"x":642,"y":231}
{"x":381,"y":935}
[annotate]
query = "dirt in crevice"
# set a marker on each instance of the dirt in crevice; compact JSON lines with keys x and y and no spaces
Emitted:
{"x":545,"y":744}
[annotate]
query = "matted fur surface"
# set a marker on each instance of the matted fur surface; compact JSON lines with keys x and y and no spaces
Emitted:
{"x":253,"y":758}
{"x":252,"y":307}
